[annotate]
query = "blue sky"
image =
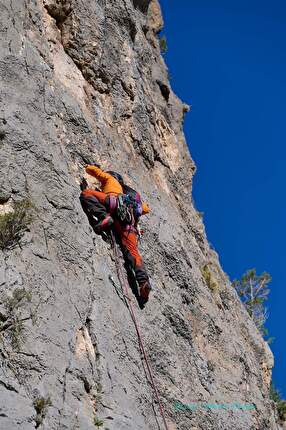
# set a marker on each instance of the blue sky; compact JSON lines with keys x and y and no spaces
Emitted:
{"x":228,"y":60}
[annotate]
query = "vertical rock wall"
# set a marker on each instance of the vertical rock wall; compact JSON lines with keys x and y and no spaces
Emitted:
{"x":83,"y":81}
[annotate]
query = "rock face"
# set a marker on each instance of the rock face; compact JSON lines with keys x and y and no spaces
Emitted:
{"x":84,"y":81}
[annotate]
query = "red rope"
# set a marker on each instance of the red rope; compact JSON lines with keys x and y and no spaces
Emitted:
{"x":125,"y":288}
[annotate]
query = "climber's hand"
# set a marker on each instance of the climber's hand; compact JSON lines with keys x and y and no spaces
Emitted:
{"x":93,"y":164}
{"x":83,"y":184}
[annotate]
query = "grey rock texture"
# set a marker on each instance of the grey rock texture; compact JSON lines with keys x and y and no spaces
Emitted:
{"x":83,"y":81}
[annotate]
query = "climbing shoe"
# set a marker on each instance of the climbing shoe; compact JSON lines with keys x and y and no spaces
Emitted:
{"x":144,"y":290}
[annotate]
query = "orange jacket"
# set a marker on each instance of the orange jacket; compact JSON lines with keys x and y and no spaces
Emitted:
{"x":110,"y":185}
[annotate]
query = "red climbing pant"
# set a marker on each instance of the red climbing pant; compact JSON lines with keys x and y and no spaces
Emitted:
{"x":128,"y":240}
{"x":108,"y":200}
{"x":101,"y":197}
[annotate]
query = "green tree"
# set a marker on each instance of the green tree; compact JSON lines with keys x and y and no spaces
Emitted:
{"x":253,"y":291}
{"x":275,"y":395}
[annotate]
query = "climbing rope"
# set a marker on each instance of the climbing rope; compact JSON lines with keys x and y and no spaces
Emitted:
{"x":126,"y":294}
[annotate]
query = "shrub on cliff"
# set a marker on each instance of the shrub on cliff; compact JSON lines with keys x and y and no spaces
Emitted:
{"x":41,"y":404}
{"x":14,"y":224}
{"x":14,"y":315}
{"x":163,"y":44}
{"x":209,"y":279}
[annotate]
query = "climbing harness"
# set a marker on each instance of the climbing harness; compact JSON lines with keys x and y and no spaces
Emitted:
{"x":134,"y":199}
{"x":125,"y":292}
{"x":128,"y":210}
{"x":129,"y":206}
{"x":124,"y":211}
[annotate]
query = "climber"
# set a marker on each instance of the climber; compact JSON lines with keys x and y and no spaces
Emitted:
{"x":112,"y":184}
{"x":112,"y":197}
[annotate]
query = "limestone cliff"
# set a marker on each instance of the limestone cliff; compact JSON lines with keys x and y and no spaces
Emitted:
{"x":83,"y":81}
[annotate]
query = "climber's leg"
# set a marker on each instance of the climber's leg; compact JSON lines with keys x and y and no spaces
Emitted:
{"x":100,"y":196}
{"x":129,"y":247}
{"x":92,"y":207}
{"x":96,"y":212}
{"x":108,"y":201}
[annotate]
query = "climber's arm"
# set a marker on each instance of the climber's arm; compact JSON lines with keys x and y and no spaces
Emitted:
{"x":97,"y":173}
